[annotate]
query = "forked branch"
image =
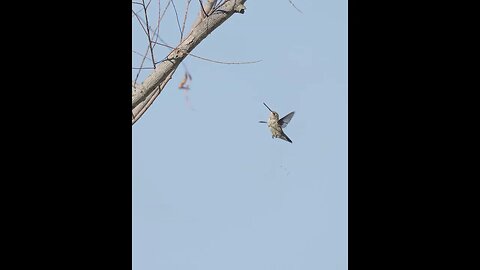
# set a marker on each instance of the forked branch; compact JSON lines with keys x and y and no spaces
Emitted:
{"x":143,"y":93}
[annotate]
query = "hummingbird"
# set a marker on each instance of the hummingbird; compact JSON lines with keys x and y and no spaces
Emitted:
{"x":276,"y":125}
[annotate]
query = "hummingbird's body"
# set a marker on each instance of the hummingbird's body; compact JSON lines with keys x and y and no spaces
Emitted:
{"x":276,"y":124}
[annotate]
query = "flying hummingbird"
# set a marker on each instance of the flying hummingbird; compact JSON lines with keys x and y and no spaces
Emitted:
{"x":276,"y":125}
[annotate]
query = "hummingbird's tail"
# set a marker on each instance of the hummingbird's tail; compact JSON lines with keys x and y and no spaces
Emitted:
{"x":285,"y":137}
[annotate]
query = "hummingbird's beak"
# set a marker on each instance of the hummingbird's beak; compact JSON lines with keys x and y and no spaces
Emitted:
{"x":267,"y":107}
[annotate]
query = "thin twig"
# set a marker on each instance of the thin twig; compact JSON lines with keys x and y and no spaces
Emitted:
{"x":140,"y":54}
{"x":156,"y":32}
{"x":184,"y":20}
{"x":225,"y":63}
{"x":145,"y":56}
{"x":209,"y":60}
{"x":218,"y":6}
{"x":205,"y":10}
{"x":295,"y":6}
{"x":140,"y":96}
{"x":148,"y":31}
{"x":148,"y":4}
{"x":150,"y":46}
{"x":178,"y":21}
{"x":141,"y":65}
{"x":140,"y":21}
{"x":201,"y":4}
{"x":165,"y":10}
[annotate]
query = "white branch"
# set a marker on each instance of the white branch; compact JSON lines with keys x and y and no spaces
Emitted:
{"x":138,"y":111}
{"x":144,"y":91}
{"x":201,"y":14}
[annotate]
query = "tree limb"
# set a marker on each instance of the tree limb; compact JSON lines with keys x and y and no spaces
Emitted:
{"x":138,"y":111}
{"x":161,"y":74}
{"x":204,"y":10}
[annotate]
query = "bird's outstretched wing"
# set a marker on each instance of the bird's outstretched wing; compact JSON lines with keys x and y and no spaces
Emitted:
{"x":284,"y":121}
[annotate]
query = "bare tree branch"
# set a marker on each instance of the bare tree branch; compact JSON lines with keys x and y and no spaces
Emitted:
{"x":163,"y":71}
{"x":157,"y":29}
{"x":184,"y":20}
{"x":295,"y":6}
{"x":148,"y":4}
{"x":148,"y":31}
{"x":205,"y":10}
{"x":226,"y":63}
{"x":141,"y":68}
{"x":214,"y":61}
{"x":151,"y":44}
{"x":178,"y":21}
{"x":165,"y":10}
{"x":143,"y":107}
{"x":141,"y":65}
{"x":140,"y":21}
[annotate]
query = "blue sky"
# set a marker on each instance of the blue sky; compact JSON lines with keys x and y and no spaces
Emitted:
{"x":211,"y":188}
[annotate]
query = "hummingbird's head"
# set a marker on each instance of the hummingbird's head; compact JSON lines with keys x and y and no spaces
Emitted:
{"x":272,"y":113}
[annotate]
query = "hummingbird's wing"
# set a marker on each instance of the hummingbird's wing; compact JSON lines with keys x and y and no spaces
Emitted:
{"x":284,"y":121}
{"x":285,"y":137}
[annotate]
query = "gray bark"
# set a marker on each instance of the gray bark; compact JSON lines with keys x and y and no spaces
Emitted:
{"x":155,"y":82}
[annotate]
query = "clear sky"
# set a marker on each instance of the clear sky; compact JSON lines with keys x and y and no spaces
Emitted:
{"x":211,"y":188}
